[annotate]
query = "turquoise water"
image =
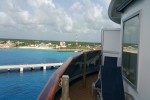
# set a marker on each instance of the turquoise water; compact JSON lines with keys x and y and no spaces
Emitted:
{"x":31,"y":56}
{"x":27,"y":85}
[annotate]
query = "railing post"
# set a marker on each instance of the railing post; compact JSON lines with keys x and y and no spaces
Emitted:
{"x":65,"y":87}
{"x":84,"y":70}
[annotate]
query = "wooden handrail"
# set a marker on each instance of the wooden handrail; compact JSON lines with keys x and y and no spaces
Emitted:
{"x":50,"y":89}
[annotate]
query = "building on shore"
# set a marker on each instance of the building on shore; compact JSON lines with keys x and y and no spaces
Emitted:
{"x":62,"y":44}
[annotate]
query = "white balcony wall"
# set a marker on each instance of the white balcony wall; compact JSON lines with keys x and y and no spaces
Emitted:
{"x":111,"y":44}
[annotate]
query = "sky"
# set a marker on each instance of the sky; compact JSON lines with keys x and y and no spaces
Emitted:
{"x":58,"y":20}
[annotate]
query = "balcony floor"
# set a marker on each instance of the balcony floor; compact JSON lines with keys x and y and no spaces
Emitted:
{"x":78,"y":92}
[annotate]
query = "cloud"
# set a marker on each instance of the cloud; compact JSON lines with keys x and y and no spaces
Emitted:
{"x":39,"y":3}
{"x":90,"y":17}
{"x":105,"y":2}
{"x":44,"y":17}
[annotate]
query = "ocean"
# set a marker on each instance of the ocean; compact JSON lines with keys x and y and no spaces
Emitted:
{"x":27,"y":85}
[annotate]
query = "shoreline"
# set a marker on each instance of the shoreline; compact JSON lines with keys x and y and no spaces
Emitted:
{"x":46,"y":48}
{"x":36,"y":48}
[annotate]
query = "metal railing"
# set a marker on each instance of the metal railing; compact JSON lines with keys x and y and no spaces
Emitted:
{"x":75,"y":67}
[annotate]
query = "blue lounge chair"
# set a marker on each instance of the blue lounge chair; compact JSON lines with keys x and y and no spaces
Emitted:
{"x":109,"y":62}
{"x":112,"y":84}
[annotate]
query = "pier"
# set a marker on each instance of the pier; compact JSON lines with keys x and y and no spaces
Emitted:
{"x":32,"y":66}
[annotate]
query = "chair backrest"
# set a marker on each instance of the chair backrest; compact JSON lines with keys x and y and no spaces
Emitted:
{"x":110,"y":61}
{"x":112,"y":83}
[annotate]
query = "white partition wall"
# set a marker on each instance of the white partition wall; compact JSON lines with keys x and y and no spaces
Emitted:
{"x":111,"y":44}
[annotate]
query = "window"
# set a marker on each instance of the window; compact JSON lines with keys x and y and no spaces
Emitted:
{"x":130,"y":49}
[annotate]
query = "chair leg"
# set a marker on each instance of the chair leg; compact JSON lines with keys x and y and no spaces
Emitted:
{"x":128,"y":96}
{"x":93,"y":85}
{"x":98,"y":98}
{"x":99,"y":94}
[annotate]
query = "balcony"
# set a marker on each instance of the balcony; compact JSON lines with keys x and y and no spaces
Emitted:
{"x":82,"y":70}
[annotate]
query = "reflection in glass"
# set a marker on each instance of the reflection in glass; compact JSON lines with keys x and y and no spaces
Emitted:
{"x":130,"y":49}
